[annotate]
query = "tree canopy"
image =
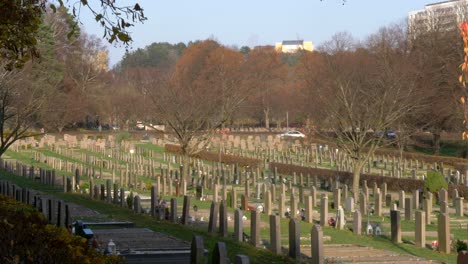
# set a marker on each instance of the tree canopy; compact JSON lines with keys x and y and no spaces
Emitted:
{"x":21,"y":20}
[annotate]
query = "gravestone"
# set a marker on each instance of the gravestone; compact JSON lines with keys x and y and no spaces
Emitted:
{"x":255,"y":228}
{"x":137,"y":204}
{"x":340,"y":218}
{"x":220,"y":254}
{"x":267,"y":203}
{"x":185,"y":210}
{"x":293,"y":202}
{"x":308,"y":209}
{"x":416,"y":200}
{"x":395,"y":223}
{"x":197,"y":250}
{"x":420,"y":229}
{"x":108,"y":191}
{"x":317,"y":245}
{"x":443,"y":232}
{"x":337,"y":198}
{"x":427,"y":206}
{"x":238,"y":226}
{"x":401,"y":203}
{"x":363,"y":203}
{"x":244,"y":202}
{"x":443,"y":207}
{"x":154,"y":197}
{"x":378,"y":203}
{"x":459,"y":206}
{"x":462,"y":257}
{"x":323,"y":210}
{"x":388,"y":200}
{"x":213,"y":220}
{"x":241,"y":259}
{"x":275,"y":234}
{"x":443,"y":196}
{"x":313,"y":193}
{"x":173,"y":216}
{"x":122,"y":197}
{"x":116,"y":194}
{"x":357,"y":223}
{"x":294,"y":239}
{"x":223,"y":221}
{"x":408,"y":209}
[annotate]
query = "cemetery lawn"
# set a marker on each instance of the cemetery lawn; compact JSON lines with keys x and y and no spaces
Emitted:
{"x":256,"y":255}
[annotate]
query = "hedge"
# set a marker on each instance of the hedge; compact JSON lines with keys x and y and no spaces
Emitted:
{"x":393,"y":184}
{"x":27,"y":238}
{"x":212,"y":156}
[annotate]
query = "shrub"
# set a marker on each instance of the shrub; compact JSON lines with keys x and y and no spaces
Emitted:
{"x":434,"y":182}
{"x":130,"y":200}
{"x":461,"y":245}
{"x":27,"y":238}
{"x":121,"y":136}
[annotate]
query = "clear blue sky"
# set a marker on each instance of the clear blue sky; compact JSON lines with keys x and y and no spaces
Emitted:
{"x":258,"y":22}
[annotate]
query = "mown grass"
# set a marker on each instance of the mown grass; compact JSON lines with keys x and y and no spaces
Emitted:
{"x":256,"y":255}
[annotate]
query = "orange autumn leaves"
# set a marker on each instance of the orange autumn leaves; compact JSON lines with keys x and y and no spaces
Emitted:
{"x":464,"y":67}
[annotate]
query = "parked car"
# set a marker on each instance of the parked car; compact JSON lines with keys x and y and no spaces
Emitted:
{"x":292,"y":133}
{"x":389,"y":134}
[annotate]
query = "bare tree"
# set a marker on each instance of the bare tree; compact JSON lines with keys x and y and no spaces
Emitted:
{"x":200,"y":95}
{"x":19,"y":102}
{"x":358,"y":94}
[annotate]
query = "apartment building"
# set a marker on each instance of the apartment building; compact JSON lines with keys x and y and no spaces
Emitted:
{"x":440,"y":16}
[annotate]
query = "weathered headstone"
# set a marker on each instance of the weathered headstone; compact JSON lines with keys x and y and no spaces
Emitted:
{"x":173,"y":215}
{"x":213,"y":220}
{"x":427,"y":206}
{"x":443,"y":231}
{"x":340,"y":218}
{"x":443,"y":196}
{"x":408,"y":209}
{"x":350,"y":204}
{"x":459,"y":206}
{"x":294,"y":239}
{"x":185,"y":210}
{"x":136,"y":204}
{"x":223,"y":221}
{"x":308,"y":209}
{"x":395,"y":226}
{"x":220,"y":254}
{"x":238,"y":226}
{"x":197,"y":250}
{"x":378,"y":203}
{"x":416,"y":200}
{"x":324,"y":211}
{"x":362,"y":203}
{"x":401,"y":203}
{"x":420,"y":229}
{"x":255,"y":228}
{"x":357,"y":223}
{"x":241,"y":259}
{"x":317,"y":245}
{"x":267,"y":203}
{"x":275,"y":234}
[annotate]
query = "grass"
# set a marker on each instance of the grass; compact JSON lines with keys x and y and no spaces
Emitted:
{"x":257,"y":255}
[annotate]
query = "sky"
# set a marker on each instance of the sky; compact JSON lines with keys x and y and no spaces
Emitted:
{"x":257,"y":22}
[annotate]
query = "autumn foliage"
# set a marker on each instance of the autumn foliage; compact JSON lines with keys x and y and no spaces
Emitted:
{"x":27,"y":238}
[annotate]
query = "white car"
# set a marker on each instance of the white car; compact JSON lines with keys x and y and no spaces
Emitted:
{"x":292,"y":133}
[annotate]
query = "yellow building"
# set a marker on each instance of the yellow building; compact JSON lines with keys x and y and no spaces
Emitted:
{"x":291,"y":46}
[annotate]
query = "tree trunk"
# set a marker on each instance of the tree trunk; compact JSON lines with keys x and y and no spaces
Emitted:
{"x":266,"y":111}
{"x":356,"y":177}
{"x":436,"y":142}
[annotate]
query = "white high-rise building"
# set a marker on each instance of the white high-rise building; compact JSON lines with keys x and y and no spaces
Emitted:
{"x":441,"y":16}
